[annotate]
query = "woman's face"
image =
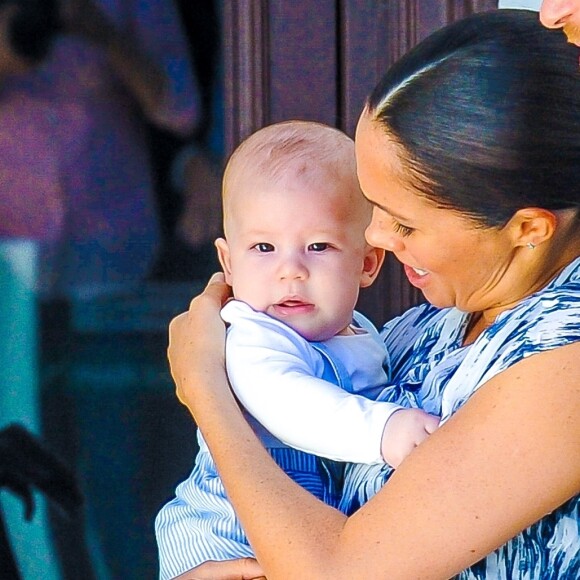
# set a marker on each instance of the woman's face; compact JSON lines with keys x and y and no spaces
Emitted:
{"x":447,"y":256}
{"x":563,"y":14}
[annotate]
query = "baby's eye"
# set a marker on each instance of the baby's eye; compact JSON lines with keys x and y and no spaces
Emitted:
{"x":318,"y":247}
{"x":263,"y":247}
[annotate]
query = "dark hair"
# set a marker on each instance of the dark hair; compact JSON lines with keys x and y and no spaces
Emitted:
{"x":487,"y":112}
{"x":33,"y":27}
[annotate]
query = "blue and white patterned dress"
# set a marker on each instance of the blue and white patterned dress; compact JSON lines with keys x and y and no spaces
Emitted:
{"x":428,"y":359}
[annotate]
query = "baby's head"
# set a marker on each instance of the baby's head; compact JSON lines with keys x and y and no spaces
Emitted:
{"x":294,"y":223}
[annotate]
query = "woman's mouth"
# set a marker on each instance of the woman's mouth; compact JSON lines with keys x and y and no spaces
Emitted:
{"x":416,"y":276}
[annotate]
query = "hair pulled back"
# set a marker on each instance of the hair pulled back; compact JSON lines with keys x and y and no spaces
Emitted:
{"x":487,"y":113}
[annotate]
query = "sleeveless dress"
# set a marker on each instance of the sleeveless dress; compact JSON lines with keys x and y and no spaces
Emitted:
{"x":428,"y":360}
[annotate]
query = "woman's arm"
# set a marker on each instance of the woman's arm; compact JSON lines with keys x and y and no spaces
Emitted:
{"x":506,"y":459}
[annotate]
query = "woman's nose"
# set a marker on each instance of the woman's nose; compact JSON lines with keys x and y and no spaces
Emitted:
{"x":555,"y":13}
{"x":380,"y":235}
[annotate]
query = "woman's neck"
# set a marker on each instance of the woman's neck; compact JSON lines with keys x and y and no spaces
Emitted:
{"x":476,"y":325}
{"x":480,"y":321}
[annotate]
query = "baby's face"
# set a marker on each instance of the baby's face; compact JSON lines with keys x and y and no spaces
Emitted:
{"x":296,"y":250}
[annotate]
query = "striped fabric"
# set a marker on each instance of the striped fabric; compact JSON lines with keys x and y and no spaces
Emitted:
{"x":199,"y":524}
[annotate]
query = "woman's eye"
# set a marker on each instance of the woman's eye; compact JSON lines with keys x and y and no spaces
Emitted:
{"x":264,"y":247}
{"x":401,"y":229}
{"x":318,"y":247}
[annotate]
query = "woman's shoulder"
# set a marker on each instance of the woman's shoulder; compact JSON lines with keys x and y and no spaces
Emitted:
{"x":561,"y":292}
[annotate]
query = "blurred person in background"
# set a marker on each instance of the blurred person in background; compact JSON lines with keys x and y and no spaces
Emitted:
{"x":189,"y":170}
{"x":80,"y":82}
{"x":75,"y":171}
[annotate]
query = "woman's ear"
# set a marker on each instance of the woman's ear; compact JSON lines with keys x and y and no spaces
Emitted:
{"x":374,"y":258}
{"x":223,"y":251}
{"x":532,"y":225}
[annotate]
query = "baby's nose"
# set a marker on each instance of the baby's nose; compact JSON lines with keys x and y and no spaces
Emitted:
{"x":293,"y":268}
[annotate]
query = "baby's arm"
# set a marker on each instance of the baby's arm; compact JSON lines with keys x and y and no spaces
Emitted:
{"x":404,"y":430}
{"x":273,"y":375}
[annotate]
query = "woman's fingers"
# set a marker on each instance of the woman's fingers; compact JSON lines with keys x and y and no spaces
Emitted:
{"x":216,"y":290}
{"x":197,"y":338}
{"x":206,"y":304}
{"x":241,"y":569}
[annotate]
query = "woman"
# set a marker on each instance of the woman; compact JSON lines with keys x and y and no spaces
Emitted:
{"x":468,"y":150}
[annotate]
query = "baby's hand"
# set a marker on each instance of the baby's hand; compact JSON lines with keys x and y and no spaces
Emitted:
{"x":404,"y":430}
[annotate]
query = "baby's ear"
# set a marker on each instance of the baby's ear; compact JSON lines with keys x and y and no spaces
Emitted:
{"x":223,"y":251}
{"x":374,"y":258}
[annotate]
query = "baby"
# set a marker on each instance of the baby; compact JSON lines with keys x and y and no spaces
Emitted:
{"x":311,"y":372}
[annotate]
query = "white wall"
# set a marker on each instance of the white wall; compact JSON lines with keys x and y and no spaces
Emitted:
{"x":529,"y":4}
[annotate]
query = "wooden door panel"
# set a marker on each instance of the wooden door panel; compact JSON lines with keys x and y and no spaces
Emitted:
{"x":280,"y":62}
{"x":303,"y":60}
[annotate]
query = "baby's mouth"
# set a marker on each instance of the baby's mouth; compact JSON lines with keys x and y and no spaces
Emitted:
{"x":293,"y":306}
{"x":292,"y":303}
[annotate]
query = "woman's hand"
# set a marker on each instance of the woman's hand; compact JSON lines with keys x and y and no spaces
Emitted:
{"x":242,"y":569}
{"x":197,"y":340}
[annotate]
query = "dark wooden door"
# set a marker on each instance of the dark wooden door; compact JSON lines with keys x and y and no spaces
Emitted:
{"x":317,"y":60}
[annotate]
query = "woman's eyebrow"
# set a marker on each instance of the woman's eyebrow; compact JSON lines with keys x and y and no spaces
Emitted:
{"x":387,"y":210}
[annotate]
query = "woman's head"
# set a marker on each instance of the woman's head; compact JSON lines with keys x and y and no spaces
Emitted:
{"x":487,"y":115}
{"x":468,"y":149}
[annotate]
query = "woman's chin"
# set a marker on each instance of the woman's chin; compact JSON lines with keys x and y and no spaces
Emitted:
{"x":437,"y":300}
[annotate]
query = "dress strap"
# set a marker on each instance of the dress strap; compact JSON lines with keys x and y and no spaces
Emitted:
{"x":334,"y":370}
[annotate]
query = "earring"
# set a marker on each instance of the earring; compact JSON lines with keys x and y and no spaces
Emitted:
{"x":530,"y":245}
